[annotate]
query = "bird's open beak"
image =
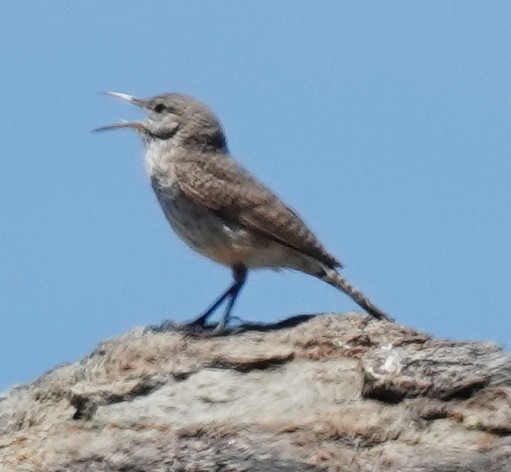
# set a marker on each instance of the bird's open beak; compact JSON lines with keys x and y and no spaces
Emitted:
{"x":136,"y":125}
{"x":127,"y":98}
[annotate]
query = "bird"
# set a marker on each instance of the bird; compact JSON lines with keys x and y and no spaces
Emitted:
{"x":218,"y":208}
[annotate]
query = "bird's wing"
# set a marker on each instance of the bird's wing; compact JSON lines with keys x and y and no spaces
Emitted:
{"x":225,"y":187}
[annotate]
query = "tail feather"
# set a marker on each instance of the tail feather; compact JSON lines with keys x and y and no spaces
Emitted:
{"x":335,"y":279}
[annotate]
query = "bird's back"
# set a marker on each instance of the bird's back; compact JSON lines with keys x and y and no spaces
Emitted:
{"x":218,"y":183}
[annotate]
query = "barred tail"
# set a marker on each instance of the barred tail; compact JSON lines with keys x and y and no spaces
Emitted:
{"x":338,"y":281}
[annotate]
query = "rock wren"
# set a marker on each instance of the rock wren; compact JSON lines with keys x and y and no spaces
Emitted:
{"x":217,"y":207}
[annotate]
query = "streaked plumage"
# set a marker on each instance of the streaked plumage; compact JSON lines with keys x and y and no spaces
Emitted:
{"x":217,"y":207}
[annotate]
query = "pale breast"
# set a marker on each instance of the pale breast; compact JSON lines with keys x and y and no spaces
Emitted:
{"x":202,"y":230}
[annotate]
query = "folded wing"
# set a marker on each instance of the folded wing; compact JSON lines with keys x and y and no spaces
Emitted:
{"x":223,"y":186}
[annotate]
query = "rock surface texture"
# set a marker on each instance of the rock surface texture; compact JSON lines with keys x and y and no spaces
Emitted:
{"x":329,"y":393}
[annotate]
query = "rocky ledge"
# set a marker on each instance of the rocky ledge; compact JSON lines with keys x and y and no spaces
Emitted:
{"x":323,"y":393}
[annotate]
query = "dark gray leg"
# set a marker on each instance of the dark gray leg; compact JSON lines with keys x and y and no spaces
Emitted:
{"x":239,"y":273}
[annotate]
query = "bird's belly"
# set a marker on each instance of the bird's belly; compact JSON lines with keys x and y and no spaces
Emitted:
{"x":212,"y":236}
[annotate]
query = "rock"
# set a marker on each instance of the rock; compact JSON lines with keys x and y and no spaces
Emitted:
{"x":325,"y":393}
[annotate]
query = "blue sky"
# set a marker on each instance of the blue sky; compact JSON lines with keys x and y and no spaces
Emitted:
{"x":386,"y":125}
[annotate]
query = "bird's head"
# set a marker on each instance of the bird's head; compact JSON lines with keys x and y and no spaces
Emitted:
{"x":176,"y":118}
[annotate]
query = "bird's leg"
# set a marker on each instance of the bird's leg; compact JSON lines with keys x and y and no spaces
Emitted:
{"x":201,"y":320}
{"x":240,"y":274}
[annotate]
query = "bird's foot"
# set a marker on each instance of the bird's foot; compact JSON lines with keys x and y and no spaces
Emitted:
{"x":163,"y":327}
{"x":197,"y":326}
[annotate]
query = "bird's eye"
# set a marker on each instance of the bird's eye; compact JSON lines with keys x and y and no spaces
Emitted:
{"x":159,"y":108}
